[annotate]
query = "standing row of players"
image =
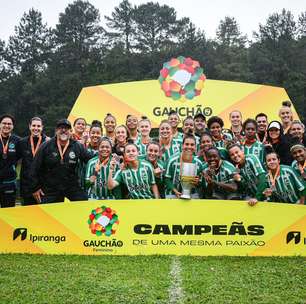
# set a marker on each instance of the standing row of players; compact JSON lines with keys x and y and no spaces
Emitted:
{"x":247,"y":161}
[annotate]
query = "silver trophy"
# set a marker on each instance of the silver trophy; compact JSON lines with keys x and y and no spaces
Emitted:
{"x":188,"y":173}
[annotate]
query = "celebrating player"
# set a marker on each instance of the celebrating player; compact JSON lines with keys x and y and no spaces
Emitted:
{"x":97,"y":172}
{"x":137,"y":175}
{"x":168,"y":145}
{"x":174,"y":167}
{"x":219,"y":177}
{"x":282,"y":183}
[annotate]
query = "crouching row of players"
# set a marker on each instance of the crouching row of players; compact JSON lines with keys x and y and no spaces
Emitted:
{"x":145,"y":177}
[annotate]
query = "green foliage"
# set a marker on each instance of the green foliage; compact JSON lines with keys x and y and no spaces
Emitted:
{"x":43,"y":70}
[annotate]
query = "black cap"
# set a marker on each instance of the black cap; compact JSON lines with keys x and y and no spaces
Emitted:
{"x":63,"y":123}
{"x":200,"y":115}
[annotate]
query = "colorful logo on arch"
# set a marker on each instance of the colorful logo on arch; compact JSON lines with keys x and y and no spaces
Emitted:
{"x":182,"y":78}
{"x":103,"y":221}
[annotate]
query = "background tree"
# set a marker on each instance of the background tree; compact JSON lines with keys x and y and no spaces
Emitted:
{"x":27,"y":55}
{"x":42,"y":71}
{"x":231,"y":53}
{"x":77,"y":60}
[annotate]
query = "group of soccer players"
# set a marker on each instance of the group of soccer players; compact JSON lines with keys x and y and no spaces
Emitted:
{"x":251,"y":160}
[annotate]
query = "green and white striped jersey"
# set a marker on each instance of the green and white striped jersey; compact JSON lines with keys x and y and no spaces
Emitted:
{"x":174,"y":148}
{"x":178,"y":138}
{"x":288,"y":186}
{"x":93,"y":151}
{"x":173,"y":171}
{"x":223,"y":175}
{"x":142,"y":148}
{"x":257,"y":149}
{"x":138,"y":182}
{"x":296,"y":169}
{"x":250,"y":172}
{"x":98,"y":190}
{"x":225,"y":172}
{"x":159,"y":179}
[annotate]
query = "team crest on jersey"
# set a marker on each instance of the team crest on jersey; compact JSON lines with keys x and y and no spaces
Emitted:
{"x":11,"y":146}
{"x":143,"y":173}
{"x":72,"y":155}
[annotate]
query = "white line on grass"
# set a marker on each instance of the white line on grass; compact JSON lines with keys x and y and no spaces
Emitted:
{"x":176,"y":291}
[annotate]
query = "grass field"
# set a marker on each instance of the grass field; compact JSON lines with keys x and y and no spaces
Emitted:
{"x":151,"y":279}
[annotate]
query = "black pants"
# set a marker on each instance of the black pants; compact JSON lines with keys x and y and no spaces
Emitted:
{"x":54,"y":196}
{"x":7,"y":195}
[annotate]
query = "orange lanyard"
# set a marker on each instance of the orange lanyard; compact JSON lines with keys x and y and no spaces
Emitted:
{"x":302,"y":167}
{"x":249,"y":142}
{"x":4,"y":147}
{"x":145,"y":142}
{"x":34,"y":150}
{"x":263,"y":140}
{"x":99,"y":164}
{"x":62,"y":152}
{"x":273,"y":179}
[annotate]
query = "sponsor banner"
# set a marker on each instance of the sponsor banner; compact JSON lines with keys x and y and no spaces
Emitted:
{"x":147,"y":98}
{"x":196,"y":227}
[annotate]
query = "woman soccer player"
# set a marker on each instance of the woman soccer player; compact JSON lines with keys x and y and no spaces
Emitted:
{"x":206,"y":142}
{"x":219,"y":177}
{"x":121,"y":137}
{"x":137,"y":175}
{"x":110,"y":125}
{"x":251,"y":145}
{"x":236,"y":125}
{"x":174,"y":121}
{"x":282,"y":184}
{"x":174,"y":169}
{"x":132,"y":126}
{"x":79,"y":126}
{"x":95,"y":134}
{"x":168,"y":145}
{"x":215,"y":125}
{"x":144,"y":127}
{"x":97,"y":172}
{"x":286,"y":115}
{"x":250,"y":173}
{"x":153,"y":156}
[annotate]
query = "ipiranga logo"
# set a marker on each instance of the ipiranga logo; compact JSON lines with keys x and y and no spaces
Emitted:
{"x":23,"y":234}
{"x":294,"y":235}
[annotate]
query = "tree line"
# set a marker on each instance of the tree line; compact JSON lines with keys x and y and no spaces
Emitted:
{"x":43,"y":69}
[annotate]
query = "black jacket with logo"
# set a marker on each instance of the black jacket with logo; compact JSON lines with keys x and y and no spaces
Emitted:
{"x":27,"y":160}
{"x":8,"y":165}
{"x":49,"y":174}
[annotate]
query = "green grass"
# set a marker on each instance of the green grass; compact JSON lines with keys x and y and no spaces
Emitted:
{"x":83,"y":279}
{"x":110,"y":279}
{"x":244,"y":280}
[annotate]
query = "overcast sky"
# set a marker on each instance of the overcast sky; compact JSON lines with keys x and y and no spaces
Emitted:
{"x":205,"y":14}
